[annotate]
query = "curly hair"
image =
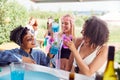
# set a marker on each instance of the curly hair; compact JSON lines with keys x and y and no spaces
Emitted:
{"x":97,"y":30}
{"x":17,"y":34}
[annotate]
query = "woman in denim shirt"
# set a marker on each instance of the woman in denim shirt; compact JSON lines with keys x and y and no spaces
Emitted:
{"x":23,"y":37}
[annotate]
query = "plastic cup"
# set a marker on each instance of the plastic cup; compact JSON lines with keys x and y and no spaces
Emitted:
{"x":54,"y":49}
{"x":55,"y":27}
{"x":66,"y":38}
{"x":17,"y":71}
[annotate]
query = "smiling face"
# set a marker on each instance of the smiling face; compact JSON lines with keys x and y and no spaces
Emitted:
{"x":49,"y":23}
{"x":28,"y":41}
{"x":66,"y":26}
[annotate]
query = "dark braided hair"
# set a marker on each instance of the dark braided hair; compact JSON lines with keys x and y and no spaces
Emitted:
{"x":17,"y":34}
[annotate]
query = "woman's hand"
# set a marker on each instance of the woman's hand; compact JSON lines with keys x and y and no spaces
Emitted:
{"x":50,"y":55}
{"x":27,"y":60}
{"x":70,"y":44}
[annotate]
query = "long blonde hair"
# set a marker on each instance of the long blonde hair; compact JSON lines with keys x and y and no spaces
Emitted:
{"x":71,"y":19}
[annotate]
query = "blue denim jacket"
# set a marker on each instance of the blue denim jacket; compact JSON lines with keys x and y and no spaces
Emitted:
{"x":37,"y":55}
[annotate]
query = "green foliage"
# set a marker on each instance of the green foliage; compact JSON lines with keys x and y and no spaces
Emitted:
{"x":114,"y":32}
{"x":56,"y":20}
{"x":79,"y":20}
{"x":12,"y":15}
{"x":117,"y":56}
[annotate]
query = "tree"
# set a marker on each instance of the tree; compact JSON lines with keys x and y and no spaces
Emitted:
{"x":12,"y":15}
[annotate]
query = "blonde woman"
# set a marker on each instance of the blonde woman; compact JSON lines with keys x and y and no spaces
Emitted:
{"x":67,"y":31}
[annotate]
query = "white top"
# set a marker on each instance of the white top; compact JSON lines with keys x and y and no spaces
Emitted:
{"x":87,"y":60}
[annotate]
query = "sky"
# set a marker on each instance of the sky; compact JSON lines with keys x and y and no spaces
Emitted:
{"x":74,"y":6}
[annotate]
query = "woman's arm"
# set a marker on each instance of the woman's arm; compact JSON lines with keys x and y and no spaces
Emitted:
{"x":94,"y":65}
{"x":9,"y":56}
{"x":12,"y":56}
{"x":42,"y":59}
{"x":77,"y":41}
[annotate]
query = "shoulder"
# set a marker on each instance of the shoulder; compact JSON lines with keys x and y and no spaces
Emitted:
{"x":103,"y":50}
{"x":12,"y":50}
{"x":78,"y":41}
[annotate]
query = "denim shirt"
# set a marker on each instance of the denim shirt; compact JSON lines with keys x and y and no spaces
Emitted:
{"x":37,"y":55}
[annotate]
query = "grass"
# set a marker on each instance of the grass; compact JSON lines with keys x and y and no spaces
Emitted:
{"x":117,"y":56}
{"x":114,"y":33}
{"x":114,"y":39}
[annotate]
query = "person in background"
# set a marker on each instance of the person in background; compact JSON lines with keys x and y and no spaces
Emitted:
{"x":48,"y":37}
{"x":67,"y":30}
{"x":49,"y":27}
{"x":23,"y":37}
{"x":33,"y":26}
{"x":90,"y":51}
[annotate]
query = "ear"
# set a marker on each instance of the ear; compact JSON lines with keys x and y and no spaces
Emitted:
{"x":22,"y":44}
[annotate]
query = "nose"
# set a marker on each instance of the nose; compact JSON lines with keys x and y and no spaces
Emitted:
{"x":34,"y":40}
{"x":82,"y":32}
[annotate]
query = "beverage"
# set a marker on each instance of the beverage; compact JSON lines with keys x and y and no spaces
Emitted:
{"x":109,"y":73}
{"x":55,"y":44}
{"x":54,"y":49}
{"x":55,"y":27}
{"x":47,"y":43}
{"x":17,"y":75}
{"x":66,"y":38}
{"x":99,"y":76}
{"x":71,"y":76}
{"x":0,"y":69}
{"x":17,"y":71}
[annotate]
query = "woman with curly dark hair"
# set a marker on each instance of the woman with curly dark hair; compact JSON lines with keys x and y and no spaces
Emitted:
{"x":90,"y":51}
{"x":25,"y":39}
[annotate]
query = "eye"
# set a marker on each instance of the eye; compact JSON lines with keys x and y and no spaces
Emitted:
{"x":65,"y":23}
{"x":29,"y":39}
{"x":62,"y":22}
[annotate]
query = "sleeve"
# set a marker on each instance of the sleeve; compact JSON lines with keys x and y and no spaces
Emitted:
{"x":44,"y":60}
{"x":9,"y":56}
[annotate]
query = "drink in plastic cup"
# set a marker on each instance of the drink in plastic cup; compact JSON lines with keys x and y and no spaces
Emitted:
{"x":54,"y":49}
{"x":55,"y":27}
{"x":17,"y":71}
{"x":66,"y":38}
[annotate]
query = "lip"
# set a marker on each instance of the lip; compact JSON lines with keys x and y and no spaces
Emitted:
{"x":64,"y":28}
{"x":33,"y":43}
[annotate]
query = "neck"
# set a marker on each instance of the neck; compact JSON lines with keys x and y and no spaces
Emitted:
{"x":67,"y":34}
{"x":90,"y":46}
